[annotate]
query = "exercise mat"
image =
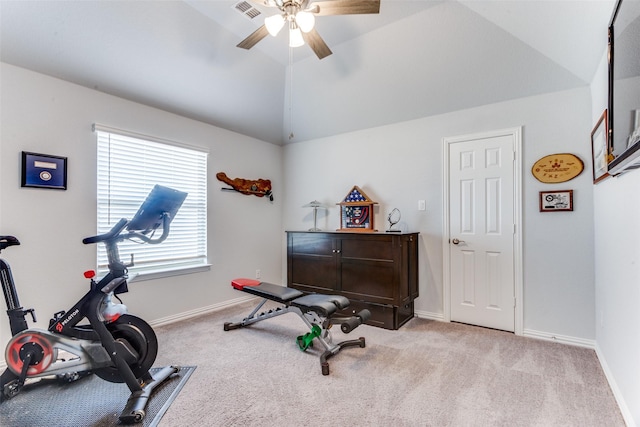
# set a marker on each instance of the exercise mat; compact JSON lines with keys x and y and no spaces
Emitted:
{"x":87,"y":402}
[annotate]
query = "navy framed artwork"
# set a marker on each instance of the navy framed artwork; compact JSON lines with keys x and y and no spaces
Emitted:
{"x":44,"y":171}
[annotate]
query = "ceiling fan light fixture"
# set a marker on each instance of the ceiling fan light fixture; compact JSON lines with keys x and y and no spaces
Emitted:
{"x":305,"y":21}
{"x":295,"y":36}
{"x":300,"y":15}
{"x":274,"y":24}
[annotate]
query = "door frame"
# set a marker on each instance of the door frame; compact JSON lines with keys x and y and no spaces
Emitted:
{"x":516,"y":134}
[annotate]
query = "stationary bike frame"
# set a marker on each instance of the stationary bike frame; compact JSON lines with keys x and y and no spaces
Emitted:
{"x":118,"y":347}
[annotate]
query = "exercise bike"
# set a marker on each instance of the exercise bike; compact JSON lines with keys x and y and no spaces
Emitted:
{"x":113,"y":345}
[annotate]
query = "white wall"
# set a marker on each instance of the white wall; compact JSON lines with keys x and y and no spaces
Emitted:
{"x":399,"y":164}
{"x":617,"y":272}
{"x":47,"y":115}
{"x":617,"y":243}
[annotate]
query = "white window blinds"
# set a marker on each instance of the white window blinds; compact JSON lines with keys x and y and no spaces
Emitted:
{"x":129,"y":166}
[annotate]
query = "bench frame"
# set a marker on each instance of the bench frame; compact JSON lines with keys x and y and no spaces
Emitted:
{"x":315,"y":316}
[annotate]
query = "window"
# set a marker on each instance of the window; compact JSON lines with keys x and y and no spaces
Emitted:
{"x":129,"y":165}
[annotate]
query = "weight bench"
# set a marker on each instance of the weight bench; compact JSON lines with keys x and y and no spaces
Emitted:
{"x":316,"y":311}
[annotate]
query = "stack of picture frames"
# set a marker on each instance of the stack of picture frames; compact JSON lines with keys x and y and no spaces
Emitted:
{"x":554,"y":169}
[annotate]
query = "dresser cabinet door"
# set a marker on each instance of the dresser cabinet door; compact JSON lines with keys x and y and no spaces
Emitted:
{"x":311,"y":262}
{"x":368,"y":269}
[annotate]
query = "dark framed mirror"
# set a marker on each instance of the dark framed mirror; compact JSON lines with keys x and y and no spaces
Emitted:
{"x":624,"y":86}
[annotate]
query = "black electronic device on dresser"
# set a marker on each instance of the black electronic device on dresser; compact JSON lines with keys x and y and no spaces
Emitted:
{"x":376,"y":271}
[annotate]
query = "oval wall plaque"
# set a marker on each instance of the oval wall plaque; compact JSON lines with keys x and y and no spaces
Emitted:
{"x":560,"y":167}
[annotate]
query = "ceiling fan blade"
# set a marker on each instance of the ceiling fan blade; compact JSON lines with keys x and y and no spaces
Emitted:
{"x":254,"y":38}
{"x":315,"y":42}
{"x":345,"y":7}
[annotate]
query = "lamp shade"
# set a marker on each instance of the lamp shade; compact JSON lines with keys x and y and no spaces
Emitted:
{"x":305,"y":21}
{"x":274,"y":24}
{"x":295,"y":37}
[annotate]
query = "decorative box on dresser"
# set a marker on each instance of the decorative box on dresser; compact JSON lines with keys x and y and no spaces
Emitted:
{"x":377,"y":271}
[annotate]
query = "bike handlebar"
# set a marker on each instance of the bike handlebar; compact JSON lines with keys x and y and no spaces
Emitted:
{"x":115,"y":234}
{"x":115,"y":231}
{"x":6,"y":241}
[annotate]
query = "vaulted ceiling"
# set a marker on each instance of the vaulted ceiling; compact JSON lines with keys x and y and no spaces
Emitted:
{"x":415,"y":59}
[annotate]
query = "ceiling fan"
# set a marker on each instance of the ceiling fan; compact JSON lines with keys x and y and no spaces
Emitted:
{"x":300,"y":17}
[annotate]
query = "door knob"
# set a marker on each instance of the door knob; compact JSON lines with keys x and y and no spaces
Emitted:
{"x":456,"y":241}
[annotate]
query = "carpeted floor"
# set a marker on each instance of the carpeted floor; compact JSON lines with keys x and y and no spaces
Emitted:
{"x":88,"y":402}
{"x":427,"y":373}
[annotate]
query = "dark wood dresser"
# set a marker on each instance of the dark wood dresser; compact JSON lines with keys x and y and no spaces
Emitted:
{"x":377,"y":271}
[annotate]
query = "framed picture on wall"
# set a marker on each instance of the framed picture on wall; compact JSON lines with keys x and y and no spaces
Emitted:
{"x":44,"y":171}
{"x":600,"y":149}
{"x":554,"y":201}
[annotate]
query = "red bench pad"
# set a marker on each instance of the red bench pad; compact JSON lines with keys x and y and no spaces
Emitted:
{"x":239,"y":284}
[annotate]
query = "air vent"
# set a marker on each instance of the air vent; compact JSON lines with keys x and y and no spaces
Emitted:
{"x":247,"y":10}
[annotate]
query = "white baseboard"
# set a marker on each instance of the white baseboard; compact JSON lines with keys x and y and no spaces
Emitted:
{"x":563,"y":339}
{"x":199,"y":311}
{"x":617,"y":394}
{"x":546,"y":336}
{"x":429,"y":315}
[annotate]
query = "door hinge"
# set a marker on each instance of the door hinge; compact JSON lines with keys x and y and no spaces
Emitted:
{"x":514,"y":302}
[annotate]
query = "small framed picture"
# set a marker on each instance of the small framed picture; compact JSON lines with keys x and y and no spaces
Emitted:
{"x":553,"y":201}
{"x":44,"y":171}
{"x":600,"y":148}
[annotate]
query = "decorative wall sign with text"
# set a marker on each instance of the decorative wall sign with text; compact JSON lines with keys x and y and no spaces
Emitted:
{"x":555,"y":168}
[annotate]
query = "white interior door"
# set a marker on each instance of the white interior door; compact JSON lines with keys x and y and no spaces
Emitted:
{"x":481,"y":227}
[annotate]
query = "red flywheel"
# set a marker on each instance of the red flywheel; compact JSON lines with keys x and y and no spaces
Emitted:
{"x":23,"y":343}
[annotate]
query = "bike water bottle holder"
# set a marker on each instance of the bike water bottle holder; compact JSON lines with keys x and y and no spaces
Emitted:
{"x":56,"y":316}
{"x":117,"y":286}
{"x":111,"y":311}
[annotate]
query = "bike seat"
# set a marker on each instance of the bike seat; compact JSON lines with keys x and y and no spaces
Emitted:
{"x":6,"y":241}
